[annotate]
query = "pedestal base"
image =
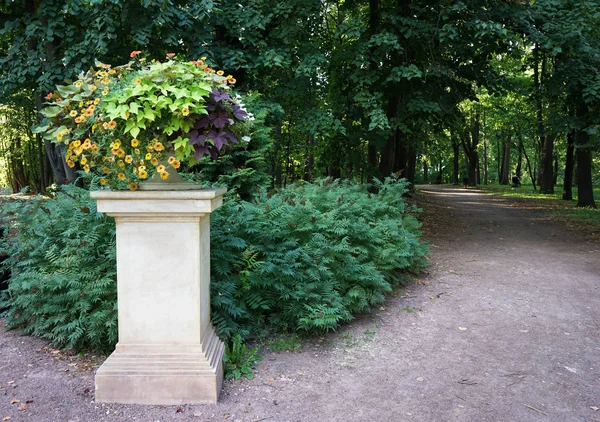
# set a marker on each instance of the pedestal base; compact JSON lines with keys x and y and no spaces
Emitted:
{"x":163,"y":374}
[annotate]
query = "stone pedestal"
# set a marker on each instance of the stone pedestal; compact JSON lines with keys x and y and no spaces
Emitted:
{"x":168,"y":352}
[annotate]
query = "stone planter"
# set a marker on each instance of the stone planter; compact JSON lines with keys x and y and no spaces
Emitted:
{"x":168,"y":352}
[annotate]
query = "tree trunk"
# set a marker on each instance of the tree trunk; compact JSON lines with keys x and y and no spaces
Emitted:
{"x":519,"y":170}
{"x":388,"y":154}
{"x":585,"y":191}
{"x":455,"y":162}
{"x":504,"y":180}
{"x":412,"y":163}
{"x":310,"y":160}
{"x":485,"y":163}
{"x":555,"y":169}
{"x":401,"y":153}
{"x":547,"y":167}
{"x":531,"y":171}
{"x":567,"y":193}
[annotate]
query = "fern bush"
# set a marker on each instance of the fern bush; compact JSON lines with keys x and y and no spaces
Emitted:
{"x":304,"y":259}
{"x":311,"y":256}
{"x":63,"y":268}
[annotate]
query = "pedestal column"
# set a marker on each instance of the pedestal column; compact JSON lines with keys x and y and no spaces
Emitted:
{"x":168,"y":352}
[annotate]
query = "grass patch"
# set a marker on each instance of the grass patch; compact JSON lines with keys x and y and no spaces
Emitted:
{"x":584,"y":219}
{"x":285,"y":343}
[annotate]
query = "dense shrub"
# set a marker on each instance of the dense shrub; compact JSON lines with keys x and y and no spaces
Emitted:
{"x":63,"y":270}
{"x":310,"y":256}
{"x":305,"y":258}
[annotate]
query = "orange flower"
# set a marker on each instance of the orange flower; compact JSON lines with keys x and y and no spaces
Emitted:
{"x":70,"y":163}
{"x":87,"y":112}
{"x":170,"y":54}
{"x":171,"y":159}
{"x":49,"y":96}
{"x":175,"y":164}
{"x":159,"y":146}
{"x":112,"y":124}
{"x":134,"y":53}
{"x":86,"y":168}
{"x":138,"y":81}
{"x":207,"y":69}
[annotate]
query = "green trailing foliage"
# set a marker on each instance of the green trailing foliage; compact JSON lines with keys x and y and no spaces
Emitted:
{"x":304,"y":259}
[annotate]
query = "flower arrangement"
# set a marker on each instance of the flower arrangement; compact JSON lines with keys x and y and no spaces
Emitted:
{"x":129,"y":122}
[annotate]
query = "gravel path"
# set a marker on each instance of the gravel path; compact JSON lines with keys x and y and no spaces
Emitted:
{"x":505,"y":326}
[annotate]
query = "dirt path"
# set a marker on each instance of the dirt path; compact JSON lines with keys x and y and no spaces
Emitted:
{"x":505,"y":327}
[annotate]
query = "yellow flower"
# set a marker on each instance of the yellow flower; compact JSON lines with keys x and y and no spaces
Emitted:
{"x":185,"y":111}
{"x":160,"y":168}
{"x":176,"y":164}
{"x":76,"y":143}
{"x":115,"y":151}
{"x":116,"y":143}
{"x":121,"y":176}
{"x":80,"y":104}
{"x":69,"y":153}
{"x":106,"y":170}
{"x":121,"y":164}
{"x":127,"y":114}
{"x":70,"y":163}
{"x":159,"y":146}
{"x":88,"y":112}
{"x":142,"y":174}
{"x":171,"y":159}
{"x":220,"y":73}
{"x":137,"y":151}
{"x":142,"y":166}
{"x":83,"y":160}
{"x":86,"y":168}
{"x":87,"y":143}
{"x":103,"y":182}
{"x":128,"y":159}
{"x":105,"y":125}
{"x":94,"y":127}
{"x":95,"y":148}
{"x":138,"y":81}
{"x":203,"y":58}
{"x":59,"y":136}
{"x":78,"y":150}
{"x":96,"y":101}
{"x":164,"y":175}
{"x":112,"y":124}
{"x":120,"y":153}
{"x":112,"y":71}
{"x":73,"y":113}
{"x":105,"y":90}
{"x":77,"y":84}
{"x":105,"y":81}
{"x":133,"y":186}
{"x":154,"y":161}
{"x":148,"y":156}
{"x":92,"y":87}
{"x":134,"y":142}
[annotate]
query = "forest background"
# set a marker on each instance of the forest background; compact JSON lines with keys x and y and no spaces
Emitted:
{"x":433,"y":90}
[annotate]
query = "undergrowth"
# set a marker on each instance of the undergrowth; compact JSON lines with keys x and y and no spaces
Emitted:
{"x":306,"y":258}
